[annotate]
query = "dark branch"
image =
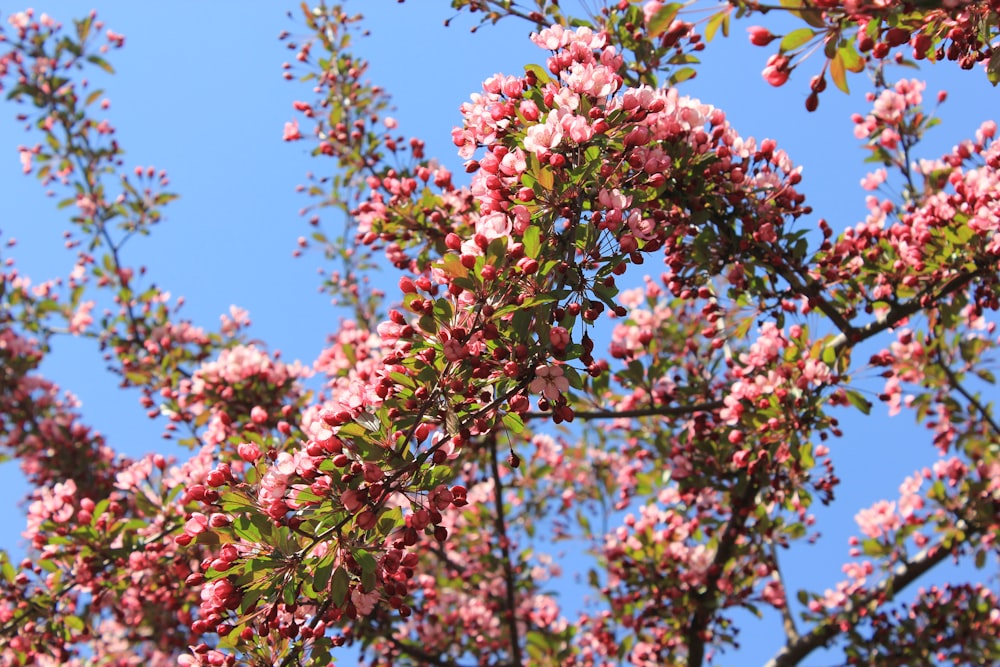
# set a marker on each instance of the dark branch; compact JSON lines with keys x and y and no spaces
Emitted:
{"x":899,"y":313}
{"x":707,"y":601}
{"x":973,"y":401}
{"x":501,"y":528}
{"x":425,"y":657}
{"x":903,"y":575}
{"x":662,"y":411}
{"x":787,"y":620}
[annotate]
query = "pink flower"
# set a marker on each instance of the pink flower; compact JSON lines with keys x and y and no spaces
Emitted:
{"x":650,"y":9}
{"x":494,"y":225}
{"x":549,"y":382}
{"x":878,"y":520}
{"x":26,"y":157}
{"x":551,"y":38}
{"x":258,"y":415}
{"x":542,"y":138}
{"x":81,"y":318}
{"x":874,"y":179}
{"x":291,"y":131}
{"x":198,"y":523}
{"x":364,"y":602}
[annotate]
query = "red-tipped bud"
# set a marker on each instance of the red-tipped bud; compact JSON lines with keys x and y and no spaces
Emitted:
{"x":760,"y":36}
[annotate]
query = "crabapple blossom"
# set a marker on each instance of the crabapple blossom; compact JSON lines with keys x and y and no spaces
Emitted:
{"x":399,"y":493}
{"x":549,"y":382}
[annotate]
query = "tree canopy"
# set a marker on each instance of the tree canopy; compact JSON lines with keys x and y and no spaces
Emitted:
{"x":621,"y":331}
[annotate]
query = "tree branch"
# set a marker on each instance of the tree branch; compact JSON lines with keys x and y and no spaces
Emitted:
{"x":787,"y":620}
{"x":501,"y":528}
{"x":425,"y":657}
{"x":902,"y":576}
{"x":973,"y":401}
{"x":707,"y":600}
{"x":895,"y":315}
{"x":663,"y":411}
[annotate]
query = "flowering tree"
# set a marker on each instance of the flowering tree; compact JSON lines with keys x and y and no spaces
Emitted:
{"x":525,"y":376}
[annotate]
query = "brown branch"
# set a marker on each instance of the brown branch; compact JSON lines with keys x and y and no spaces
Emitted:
{"x":663,"y":411}
{"x":425,"y":657}
{"x":903,"y":575}
{"x":787,"y":620}
{"x":501,"y":527}
{"x":707,"y":600}
{"x":895,"y":315}
{"x":813,"y":290}
{"x":973,"y":401}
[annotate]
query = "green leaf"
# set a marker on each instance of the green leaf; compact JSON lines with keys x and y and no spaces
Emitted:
{"x":837,"y":72}
{"x":795,"y":39}
{"x":102,"y":63}
{"x":683,"y":74}
{"x":513,"y":422}
{"x":245,"y":529}
{"x":389,"y":520}
{"x":340,"y":583}
{"x":859,"y":401}
{"x":532,"y":241}
{"x":718,"y":20}
{"x":365,"y":560}
{"x":288,"y":595}
{"x":322,"y":573}
{"x":660,"y":21}
{"x":993,"y":68}
{"x":73,"y":622}
{"x":853,"y":61}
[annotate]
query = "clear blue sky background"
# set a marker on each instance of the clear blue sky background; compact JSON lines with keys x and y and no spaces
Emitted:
{"x":198,"y":92}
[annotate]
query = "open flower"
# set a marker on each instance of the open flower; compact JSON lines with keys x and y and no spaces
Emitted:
{"x":549,"y":382}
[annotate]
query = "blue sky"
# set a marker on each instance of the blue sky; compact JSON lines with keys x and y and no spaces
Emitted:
{"x":199,"y":92}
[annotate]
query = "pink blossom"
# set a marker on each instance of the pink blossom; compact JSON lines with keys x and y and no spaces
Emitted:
{"x":544,"y":137}
{"x":878,"y":520}
{"x":364,"y":602}
{"x":291,"y":132}
{"x":650,"y":9}
{"x":593,"y":80}
{"x":197,"y":524}
{"x":559,"y":337}
{"x":26,"y":158}
{"x":81,"y":318}
{"x":551,"y":38}
{"x":248,"y":451}
{"x":872,"y":180}
{"x":549,"y":382}
{"x":494,"y":225}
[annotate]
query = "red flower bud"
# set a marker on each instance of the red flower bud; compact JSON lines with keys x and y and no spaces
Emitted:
{"x":760,"y":36}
